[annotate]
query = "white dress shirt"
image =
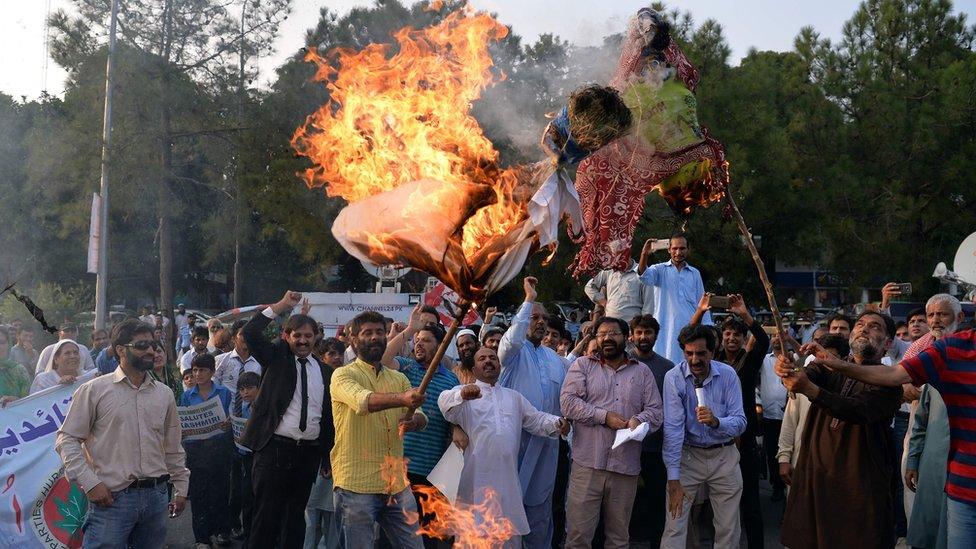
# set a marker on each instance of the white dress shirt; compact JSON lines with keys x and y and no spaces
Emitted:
{"x":316,"y":392}
{"x":186,"y":361}
{"x":229,"y":369}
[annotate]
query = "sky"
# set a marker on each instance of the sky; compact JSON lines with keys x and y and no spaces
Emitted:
{"x":760,"y":24}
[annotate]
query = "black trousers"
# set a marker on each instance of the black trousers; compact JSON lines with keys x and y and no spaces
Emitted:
{"x":559,"y":495}
{"x":208,"y":461}
{"x":771,"y":429}
{"x":282,"y":478}
{"x":749,"y":464}
{"x":241,"y":492}
{"x":647,"y":520}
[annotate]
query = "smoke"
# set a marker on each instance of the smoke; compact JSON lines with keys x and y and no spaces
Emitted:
{"x":538,"y":81}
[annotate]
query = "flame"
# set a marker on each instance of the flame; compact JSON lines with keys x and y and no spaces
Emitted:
{"x":479,"y":526}
{"x":405,"y":117}
{"x":473,"y":526}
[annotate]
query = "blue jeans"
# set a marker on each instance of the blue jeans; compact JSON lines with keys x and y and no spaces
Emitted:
{"x":136,"y":518}
{"x":360,"y":512}
{"x":961,"y":520}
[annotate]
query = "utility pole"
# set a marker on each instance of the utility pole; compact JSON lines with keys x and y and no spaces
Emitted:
{"x":238,"y":199}
{"x":101,"y":282}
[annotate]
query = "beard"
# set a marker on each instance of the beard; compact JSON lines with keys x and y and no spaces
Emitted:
{"x":611,"y":350}
{"x":141,"y":363}
{"x":939,"y":333}
{"x":644,"y":346}
{"x":371,"y":352}
{"x":865,"y":348}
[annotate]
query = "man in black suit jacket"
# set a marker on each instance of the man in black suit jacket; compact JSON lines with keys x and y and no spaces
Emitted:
{"x":290,"y":429}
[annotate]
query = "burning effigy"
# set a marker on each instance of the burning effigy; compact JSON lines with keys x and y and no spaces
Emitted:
{"x":667,"y":151}
{"x":397,"y":140}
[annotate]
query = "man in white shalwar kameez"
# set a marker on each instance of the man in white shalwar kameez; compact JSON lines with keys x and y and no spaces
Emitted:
{"x":494,"y":418}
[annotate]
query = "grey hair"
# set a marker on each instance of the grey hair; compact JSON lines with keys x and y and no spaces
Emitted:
{"x":945,"y":298}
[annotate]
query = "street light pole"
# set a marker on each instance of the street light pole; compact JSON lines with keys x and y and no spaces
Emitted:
{"x":101,"y":281}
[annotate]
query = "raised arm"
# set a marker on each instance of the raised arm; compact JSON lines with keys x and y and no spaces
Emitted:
{"x":397,"y":343}
{"x":514,"y":338}
{"x":260,"y":346}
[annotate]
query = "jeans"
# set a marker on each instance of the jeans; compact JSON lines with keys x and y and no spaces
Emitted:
{"x":961,"y":518}
{"x":360,"y":512}
{"x":136,"y":518}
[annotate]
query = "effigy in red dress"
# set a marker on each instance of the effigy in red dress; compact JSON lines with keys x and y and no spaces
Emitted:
{"x":667,"y":150}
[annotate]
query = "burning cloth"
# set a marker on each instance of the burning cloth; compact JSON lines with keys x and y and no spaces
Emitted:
{"x":667,"y":150}
{"x":398,"y":142}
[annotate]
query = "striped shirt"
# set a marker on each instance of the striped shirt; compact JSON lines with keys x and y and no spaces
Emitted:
{"x":368,"y":454}
{"x":425,"y":448}
{"x":949,"y":365}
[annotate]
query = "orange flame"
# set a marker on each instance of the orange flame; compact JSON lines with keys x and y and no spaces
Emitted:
{"x":406,"y":117}
{"x":479,"y":526}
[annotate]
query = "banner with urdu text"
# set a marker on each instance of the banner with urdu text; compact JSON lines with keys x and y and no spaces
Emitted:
{"x":39,"y":508}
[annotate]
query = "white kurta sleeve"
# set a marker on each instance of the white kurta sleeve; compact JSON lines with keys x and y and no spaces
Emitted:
{"x":536,"y":422}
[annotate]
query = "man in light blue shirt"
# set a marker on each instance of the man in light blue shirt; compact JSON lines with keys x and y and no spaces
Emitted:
{"x":537,"y":372}
{"x":702,"y":416}
{"x":678,"y":289}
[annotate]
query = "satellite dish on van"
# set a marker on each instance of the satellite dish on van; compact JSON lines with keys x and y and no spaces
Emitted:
{"x":385,"y":272}
{"x":964,"y":264}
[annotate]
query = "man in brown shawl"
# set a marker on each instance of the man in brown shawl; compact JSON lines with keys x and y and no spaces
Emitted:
{"x":841,"y":493}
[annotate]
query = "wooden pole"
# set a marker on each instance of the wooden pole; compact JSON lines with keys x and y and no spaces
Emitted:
{"x":463,"y":308}
{"x":784,"y":338}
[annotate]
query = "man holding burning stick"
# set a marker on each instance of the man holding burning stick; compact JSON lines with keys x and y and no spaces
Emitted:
{"x":536,"y":372}
{"x":841,"y":491}
{"x":371,"y":406}
{"x":948,"y":365}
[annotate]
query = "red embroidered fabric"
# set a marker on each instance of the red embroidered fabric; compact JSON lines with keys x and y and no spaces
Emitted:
{"x":613,"y":182}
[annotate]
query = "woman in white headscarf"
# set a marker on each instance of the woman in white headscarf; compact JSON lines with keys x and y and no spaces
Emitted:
{"x":63,"y":367}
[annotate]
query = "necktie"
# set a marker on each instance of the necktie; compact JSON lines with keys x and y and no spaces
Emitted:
{"x":303,"y":421}
{"x":238,"y":402}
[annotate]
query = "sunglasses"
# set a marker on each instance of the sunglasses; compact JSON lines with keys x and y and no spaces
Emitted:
{"x":145,"y":345}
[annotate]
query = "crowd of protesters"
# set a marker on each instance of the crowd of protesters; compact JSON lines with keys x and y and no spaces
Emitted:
{"x":644,"y":422}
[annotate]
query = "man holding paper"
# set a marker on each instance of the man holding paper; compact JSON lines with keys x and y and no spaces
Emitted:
{"x":603,"y":396}
{"x":704,"y":415}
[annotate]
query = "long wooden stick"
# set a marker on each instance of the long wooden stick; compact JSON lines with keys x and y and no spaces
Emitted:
{"x":462,"y":311}
{"x":784,"y":338}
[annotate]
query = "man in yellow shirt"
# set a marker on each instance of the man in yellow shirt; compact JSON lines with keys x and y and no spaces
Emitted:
{"x":371,"y":406}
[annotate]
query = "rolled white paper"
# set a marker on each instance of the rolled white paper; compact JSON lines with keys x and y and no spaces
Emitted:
{"x":700,"y":393}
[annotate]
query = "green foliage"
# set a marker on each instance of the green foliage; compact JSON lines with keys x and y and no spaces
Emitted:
{"x":855,"y":157}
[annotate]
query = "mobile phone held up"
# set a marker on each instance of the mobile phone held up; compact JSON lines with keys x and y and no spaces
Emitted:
{"x":905,"y":288}
{"x":718,"y":302}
